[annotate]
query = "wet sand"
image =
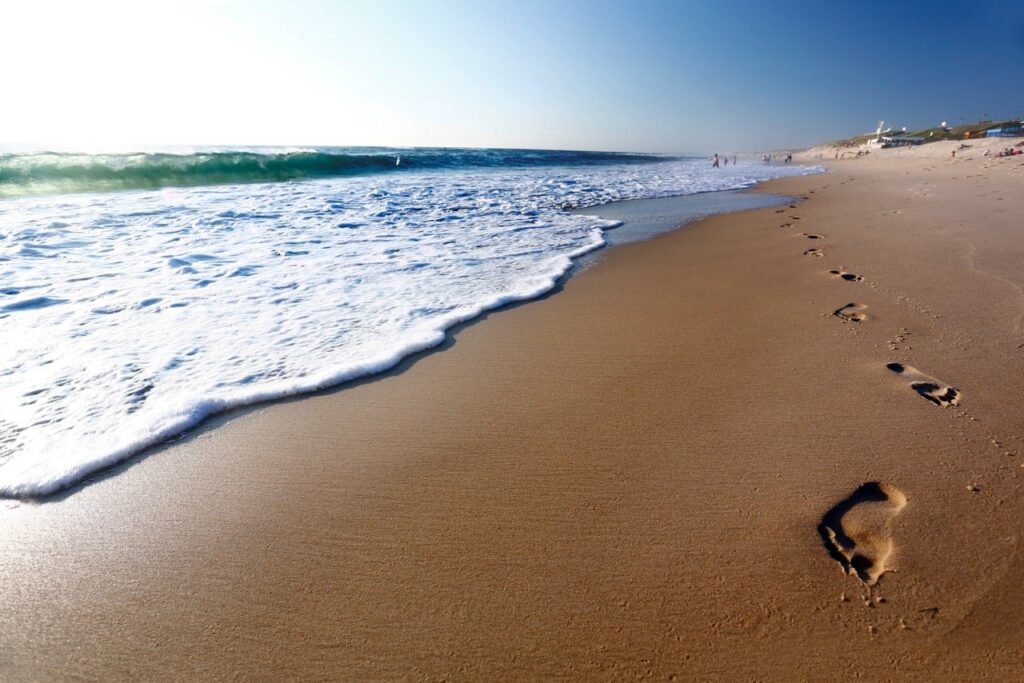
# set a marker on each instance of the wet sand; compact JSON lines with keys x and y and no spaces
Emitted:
{"x":661,"y":470}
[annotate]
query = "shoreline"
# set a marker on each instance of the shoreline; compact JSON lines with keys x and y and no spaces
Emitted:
{"x":641,"y":225}
{"x":625,"y":480}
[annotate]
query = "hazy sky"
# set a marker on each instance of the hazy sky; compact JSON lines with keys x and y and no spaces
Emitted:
{"x":669,"y":75}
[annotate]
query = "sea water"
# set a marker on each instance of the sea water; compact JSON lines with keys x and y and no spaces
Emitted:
{"x":140,"y":293}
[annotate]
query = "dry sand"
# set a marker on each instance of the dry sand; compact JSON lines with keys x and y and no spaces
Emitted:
{"x":661,"y":470}
{"x":941,"y":150}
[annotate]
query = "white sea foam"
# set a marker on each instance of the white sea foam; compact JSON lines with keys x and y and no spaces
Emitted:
{"x":126,"y":318}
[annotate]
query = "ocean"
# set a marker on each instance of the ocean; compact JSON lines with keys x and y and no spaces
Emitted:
{"x":140,"y":293}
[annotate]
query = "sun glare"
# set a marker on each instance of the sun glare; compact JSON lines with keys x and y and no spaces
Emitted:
{"x":108,"y":75}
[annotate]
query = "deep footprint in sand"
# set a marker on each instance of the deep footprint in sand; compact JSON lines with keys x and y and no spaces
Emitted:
{"x":926,"y":387}
{"x":857,"y":531}
{"x":851,"y":313}
{"x":814,"y":252}
{"x":811,"y":237}
{"x":848,"y":277}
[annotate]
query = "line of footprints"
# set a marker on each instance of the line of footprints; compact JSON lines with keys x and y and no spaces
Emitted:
{"x":857,"y":531}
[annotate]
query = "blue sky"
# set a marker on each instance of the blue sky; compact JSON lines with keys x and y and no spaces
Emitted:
{"x":658,"y":75}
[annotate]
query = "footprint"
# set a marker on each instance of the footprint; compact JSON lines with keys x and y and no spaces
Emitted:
{"x":927,"y":387}
{"x":819,"y":253}
{"x":851,"y":313}
{"x":856,"y":531}
{"x":812,"y":237}
{"x":849,"y":277}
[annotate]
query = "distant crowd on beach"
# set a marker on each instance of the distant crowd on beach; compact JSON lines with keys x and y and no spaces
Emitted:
{"x":860,"y":153}
{"x":1014,"y":151}
{"x":720,"y":161}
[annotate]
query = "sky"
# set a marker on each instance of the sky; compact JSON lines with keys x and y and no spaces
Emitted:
{"x":632,"y":75}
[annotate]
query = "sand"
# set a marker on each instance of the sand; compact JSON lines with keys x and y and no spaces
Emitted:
{"x":940,"y":150}
{"x":664,"y":470}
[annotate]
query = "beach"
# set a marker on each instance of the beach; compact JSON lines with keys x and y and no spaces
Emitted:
{"x":635,"y":476}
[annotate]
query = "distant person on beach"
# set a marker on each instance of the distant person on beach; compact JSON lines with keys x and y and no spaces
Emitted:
{"x":733,"y":159}
{"x":725,"y":161}
{"x":715,"y":165}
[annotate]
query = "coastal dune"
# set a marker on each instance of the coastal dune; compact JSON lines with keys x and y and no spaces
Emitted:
{"x":783,"y":443}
